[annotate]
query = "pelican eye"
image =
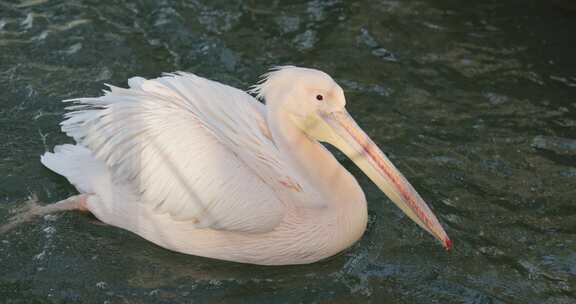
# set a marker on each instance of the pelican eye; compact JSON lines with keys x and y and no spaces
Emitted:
{"x":319,"y":97}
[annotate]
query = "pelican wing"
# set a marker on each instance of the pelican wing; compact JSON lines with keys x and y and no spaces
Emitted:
{"x":190,"y":147}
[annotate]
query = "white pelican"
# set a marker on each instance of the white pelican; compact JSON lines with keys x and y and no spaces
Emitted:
{"x":202,"y":168}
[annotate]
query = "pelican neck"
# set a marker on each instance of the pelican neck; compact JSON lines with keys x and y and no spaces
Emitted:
{"x":314,"y":164}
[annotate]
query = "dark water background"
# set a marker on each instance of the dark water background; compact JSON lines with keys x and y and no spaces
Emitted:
{"x":474,"y":100}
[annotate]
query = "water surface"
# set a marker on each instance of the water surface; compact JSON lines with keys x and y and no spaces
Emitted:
{"x":475,"y":102}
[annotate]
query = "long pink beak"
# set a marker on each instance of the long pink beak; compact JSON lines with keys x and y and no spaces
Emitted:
{"x":353,"y":141}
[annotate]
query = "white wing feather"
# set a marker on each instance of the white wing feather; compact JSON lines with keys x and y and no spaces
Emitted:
{"x":189,"y":146}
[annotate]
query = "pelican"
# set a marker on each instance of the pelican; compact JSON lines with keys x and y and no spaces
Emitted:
{"x":202,"y":168}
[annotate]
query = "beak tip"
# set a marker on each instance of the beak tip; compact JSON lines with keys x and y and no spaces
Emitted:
{"x":447,"y":244}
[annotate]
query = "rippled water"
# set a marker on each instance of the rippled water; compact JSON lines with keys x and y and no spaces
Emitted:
{"x":475,"y":102}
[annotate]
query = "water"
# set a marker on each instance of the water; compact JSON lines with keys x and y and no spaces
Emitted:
{"x":475,"y":102}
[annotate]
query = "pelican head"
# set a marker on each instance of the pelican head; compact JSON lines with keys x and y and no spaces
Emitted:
{"x":316,"y":105}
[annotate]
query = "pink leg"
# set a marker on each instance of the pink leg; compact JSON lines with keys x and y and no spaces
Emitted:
{"x":32,"y":209}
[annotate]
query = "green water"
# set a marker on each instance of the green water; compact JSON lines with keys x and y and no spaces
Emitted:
{"x":475,"y":101}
